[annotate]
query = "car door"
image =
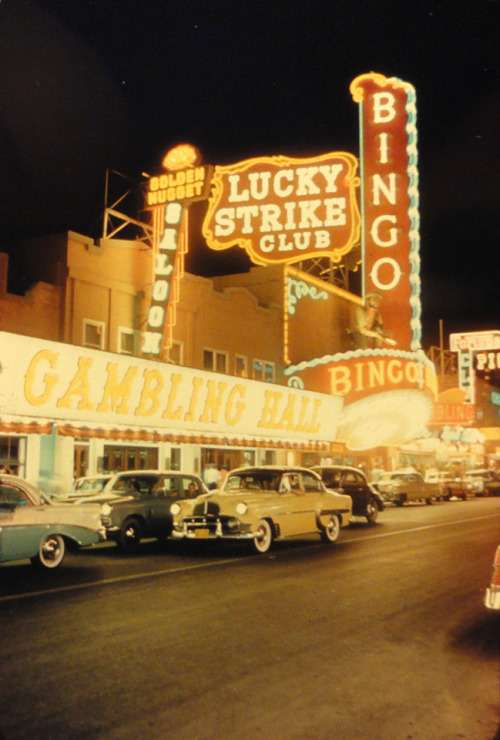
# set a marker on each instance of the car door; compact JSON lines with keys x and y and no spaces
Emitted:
{"x":18,"y":539}
{"x":299,"y":494}
{"x":355,"y":486}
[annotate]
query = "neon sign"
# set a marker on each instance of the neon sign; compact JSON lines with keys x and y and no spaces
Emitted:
{"x":389,"y":201}
{"x":169,"y":195}
{"x":283,"y":210}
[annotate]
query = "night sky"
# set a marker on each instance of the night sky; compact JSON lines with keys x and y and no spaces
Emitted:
{"x":91,"y":84}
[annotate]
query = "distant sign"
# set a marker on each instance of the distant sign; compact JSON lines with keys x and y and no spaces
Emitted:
{"x":283,"y":210}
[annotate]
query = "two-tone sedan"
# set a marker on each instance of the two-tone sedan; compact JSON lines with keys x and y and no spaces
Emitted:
{"x":259,"y":505}
{"x":33,"y":527}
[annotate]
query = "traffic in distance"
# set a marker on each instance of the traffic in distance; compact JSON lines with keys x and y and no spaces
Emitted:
{"x":254,"y":505}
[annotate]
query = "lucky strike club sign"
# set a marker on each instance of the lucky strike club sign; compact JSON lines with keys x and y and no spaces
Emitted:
{"x":284,"y":210}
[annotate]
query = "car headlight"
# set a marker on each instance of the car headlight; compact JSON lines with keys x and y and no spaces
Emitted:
{"x":175,"y":509}
{"x":241,"y":508}
{"x":106,"y":510}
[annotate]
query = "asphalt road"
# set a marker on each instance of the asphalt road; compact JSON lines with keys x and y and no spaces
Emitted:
{"x":383,"y":636}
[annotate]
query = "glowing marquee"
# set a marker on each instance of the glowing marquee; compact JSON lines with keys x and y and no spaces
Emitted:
{"x":283,"y":210}
{"x":169,"y":195}
{"x":389,"y":202}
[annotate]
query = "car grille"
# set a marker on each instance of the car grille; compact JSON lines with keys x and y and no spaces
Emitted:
{"x":205,"y":508}
{"x":216,"y":525}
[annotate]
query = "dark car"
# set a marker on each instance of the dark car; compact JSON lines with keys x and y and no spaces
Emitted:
{"x":366,"y":500}
{"x":146,"y":511}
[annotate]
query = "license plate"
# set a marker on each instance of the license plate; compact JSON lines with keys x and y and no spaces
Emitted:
{"x":202,"y":533}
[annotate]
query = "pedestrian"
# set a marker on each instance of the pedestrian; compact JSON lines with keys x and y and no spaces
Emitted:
{"x":211,"y":476}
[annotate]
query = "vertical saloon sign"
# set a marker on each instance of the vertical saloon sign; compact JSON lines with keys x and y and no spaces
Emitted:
{"x":285,"y":210}
{"x":389,"y":201}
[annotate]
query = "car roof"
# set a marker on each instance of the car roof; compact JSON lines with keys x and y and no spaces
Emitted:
{"x":272,"y":469}
{"x":338,"y":467}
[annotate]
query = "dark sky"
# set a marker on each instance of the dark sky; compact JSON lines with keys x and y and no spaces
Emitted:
{"x":91,"y":84}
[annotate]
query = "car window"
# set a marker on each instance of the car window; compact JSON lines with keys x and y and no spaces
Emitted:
{"x":135,"y":485}
{"x":190,"y":487}
{"x":349,"y":478}
{"x":252,"y":481}
{"x":311,"y":483}
{"x":90,"y":485}
{"x":11,"y":497}
{"x":359,"y":480}
{"x":331,"y":478}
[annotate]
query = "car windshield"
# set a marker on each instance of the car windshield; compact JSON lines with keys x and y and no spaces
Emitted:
{"x":90,"y":485}
{"x":331,"y":478}
{"x":253,"y":481}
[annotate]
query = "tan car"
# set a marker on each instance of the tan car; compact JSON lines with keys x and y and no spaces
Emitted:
{"x":259,"y":505}
{"x":400,"y":487}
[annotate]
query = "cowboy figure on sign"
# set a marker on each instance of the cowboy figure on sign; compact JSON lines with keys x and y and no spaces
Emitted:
{"x":368,"y":331}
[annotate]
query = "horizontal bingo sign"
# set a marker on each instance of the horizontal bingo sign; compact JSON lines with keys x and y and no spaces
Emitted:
{"x":285,"y":210}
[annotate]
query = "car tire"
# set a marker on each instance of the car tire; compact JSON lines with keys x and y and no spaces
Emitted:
{"x":428,"y":501}
{"x":372,"y":511}
{"x":264,"y":540}
{"x":50,"y":553}
{"x":130,"y":535}
{"x":330,"y":532}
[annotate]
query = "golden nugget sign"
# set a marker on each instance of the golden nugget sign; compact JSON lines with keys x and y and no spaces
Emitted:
{"x":168,"y":196}
{"x":284,"y":210}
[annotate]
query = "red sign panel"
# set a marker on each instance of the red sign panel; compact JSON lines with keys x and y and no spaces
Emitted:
{"x":390,"y":203}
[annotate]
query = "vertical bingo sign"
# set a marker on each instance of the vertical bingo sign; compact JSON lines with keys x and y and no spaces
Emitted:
{"x":389,"y":202}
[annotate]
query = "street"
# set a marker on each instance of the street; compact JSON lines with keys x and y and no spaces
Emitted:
{"x":382,"y":636}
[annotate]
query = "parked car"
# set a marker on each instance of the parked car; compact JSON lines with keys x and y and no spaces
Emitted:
{"x":110,"y":486}
{"x":366,"y":500}
{"x":259,"y":505}
{"x":147,"y":512}
{"x":32,"y":526}
{"x":485,"y":482}
{"x":399,"y":486}
{"x":492,"y":595}
{"x":455,"y":486}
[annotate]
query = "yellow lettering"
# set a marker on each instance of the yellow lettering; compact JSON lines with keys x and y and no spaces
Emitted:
{"x":394,"y":371}
{"x":287,"y":417}
{"x":340,"y":381}
{"x":49,"y":379}
{"x":270,"y":410}
{"x":197,"y":384}
{"x":151,"y":387}
{"x":235,"y":408}
{"x":116,"y":395}
{"x":213,"y":401}
{"x":170,"y":412}
{"x":79,"y":386}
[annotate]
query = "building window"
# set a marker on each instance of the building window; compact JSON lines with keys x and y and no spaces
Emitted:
{"x":213,"y":360}
{"x":263,"y":371}
{"x":241,"y":366}
{"x":126,"y":341}
{"x":94,"y":333}
{"x":176,"y":353}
